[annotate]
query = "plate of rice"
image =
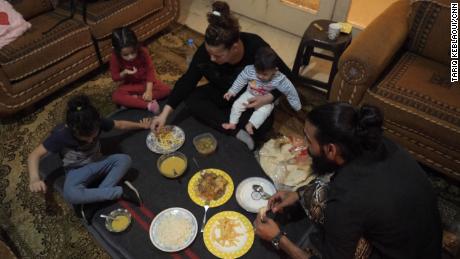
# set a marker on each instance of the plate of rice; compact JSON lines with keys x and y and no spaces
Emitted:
{"x":173,"y":229}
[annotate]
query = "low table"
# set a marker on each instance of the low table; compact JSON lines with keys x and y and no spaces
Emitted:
{"x":160,"y":193}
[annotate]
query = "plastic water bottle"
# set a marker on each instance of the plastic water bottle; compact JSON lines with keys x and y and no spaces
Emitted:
{"x":191,"y":48}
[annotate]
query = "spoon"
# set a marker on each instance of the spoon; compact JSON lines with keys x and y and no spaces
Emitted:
{"x":196,"y":163}
{"x":260,"y":190}
{"x":106,"y":217}
{"x":206,"y":207}
{"x":175,"y":175}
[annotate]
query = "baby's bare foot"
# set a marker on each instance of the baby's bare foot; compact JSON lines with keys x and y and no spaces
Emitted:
{"x":228,"y":126}
{"x":249,"y":128}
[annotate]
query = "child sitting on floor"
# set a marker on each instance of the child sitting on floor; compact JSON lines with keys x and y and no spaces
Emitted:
{"x":261,"y":78}
{"x":77,"y":142}
{"x":132,"y":65}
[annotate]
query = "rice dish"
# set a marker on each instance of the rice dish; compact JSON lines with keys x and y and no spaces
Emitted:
{"x":173,"y":231}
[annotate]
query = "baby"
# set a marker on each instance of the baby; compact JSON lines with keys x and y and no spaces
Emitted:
{"x":261,"y":78}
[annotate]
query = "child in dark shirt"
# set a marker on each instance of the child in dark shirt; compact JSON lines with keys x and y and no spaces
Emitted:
{"x":77,"y":141}
{"x":132,"y":65}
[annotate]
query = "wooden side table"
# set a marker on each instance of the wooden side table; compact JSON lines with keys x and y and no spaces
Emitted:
{"x":312,"y":38}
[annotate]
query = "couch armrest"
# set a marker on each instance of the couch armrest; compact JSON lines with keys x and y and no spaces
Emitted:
{"x":371,"y":52}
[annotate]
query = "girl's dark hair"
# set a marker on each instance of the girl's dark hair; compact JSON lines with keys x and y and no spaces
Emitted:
{"x":265,"y":59}
{"x":123,"y":37}
{"x":223,"y":27}
{"x":353,"y":130}
{"x":82,"y":118}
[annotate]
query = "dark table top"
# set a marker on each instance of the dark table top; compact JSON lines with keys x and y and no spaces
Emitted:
{"x":319,"y":38}
{"x":160,"y":193}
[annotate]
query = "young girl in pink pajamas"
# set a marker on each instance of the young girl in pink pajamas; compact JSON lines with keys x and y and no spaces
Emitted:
{"x":131,"y":65}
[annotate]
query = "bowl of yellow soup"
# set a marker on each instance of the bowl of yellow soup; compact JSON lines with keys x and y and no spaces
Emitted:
{"x":172,"y":165}
{"x":118,"y":220}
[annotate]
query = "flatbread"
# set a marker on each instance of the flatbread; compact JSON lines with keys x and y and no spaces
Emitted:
{"x":279,"y":163}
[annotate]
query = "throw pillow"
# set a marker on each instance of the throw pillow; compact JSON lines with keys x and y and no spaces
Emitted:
{"x":12,"y":24}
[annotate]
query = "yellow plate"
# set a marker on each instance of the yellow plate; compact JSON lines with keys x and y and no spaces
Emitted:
{"x":193,"y":192}
{"x":242,"y":232}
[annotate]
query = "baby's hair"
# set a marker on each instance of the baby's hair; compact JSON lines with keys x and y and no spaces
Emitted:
{"x":124,"y":37}
{"x":265,"y":59}
{"x":223,"y":27}
{"x":82,"y":118}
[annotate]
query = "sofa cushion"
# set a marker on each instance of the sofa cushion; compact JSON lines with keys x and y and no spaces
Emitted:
{"x":30,"y":9}
{"x":429,"y":29}
{"x":35,"y":50}
{"x":104,"y":16}
{"x":426,"y":100}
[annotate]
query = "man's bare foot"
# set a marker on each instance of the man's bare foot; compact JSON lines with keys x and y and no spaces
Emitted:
{"x":249,"y":128}
{"x":228,"y":126}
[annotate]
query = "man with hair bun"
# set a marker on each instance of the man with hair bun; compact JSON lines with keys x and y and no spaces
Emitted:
{"x":370,"y":199}
{"x":220,"y":59}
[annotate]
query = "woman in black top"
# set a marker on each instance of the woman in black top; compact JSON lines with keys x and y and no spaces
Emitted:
{"x":371,"y":199}
{"x":223,"y":55}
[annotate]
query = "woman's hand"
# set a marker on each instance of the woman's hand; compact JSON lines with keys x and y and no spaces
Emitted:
{"x":37,"y":186}
{"x":266,"y":230}
{"x":228,"y":96}
{"x":259,"y":101}
{"x":282,"y":199}
{"x":158,"y":122}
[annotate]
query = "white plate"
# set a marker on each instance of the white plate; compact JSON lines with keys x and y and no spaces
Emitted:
{"x":180,"y":213}
{"x":178,"y":137}
{"x":249,"y":199}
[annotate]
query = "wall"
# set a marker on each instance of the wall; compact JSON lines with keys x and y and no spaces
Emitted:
{"x":362,"y":12}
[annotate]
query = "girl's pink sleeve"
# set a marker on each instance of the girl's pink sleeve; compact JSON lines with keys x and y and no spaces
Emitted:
{"x":150,"y":73}
{"x":115,"y":68}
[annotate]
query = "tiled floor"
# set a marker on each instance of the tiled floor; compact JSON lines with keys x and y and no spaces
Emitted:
{"x":193,"y":14}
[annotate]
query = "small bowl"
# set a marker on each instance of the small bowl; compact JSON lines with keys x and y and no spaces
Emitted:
{"x":114,"y":214}
{"x":179,"y":170}
{"x":205,"y":143}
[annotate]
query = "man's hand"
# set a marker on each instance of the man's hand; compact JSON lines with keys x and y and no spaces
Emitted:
{"x":266,"y":230}
{"x":145,"y":123}
{"x":37,"y":186}
{"x":147,"y":96}
{"x":282,"y":199}
{"x":259,"y":101}
{"x":228,"y":96}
